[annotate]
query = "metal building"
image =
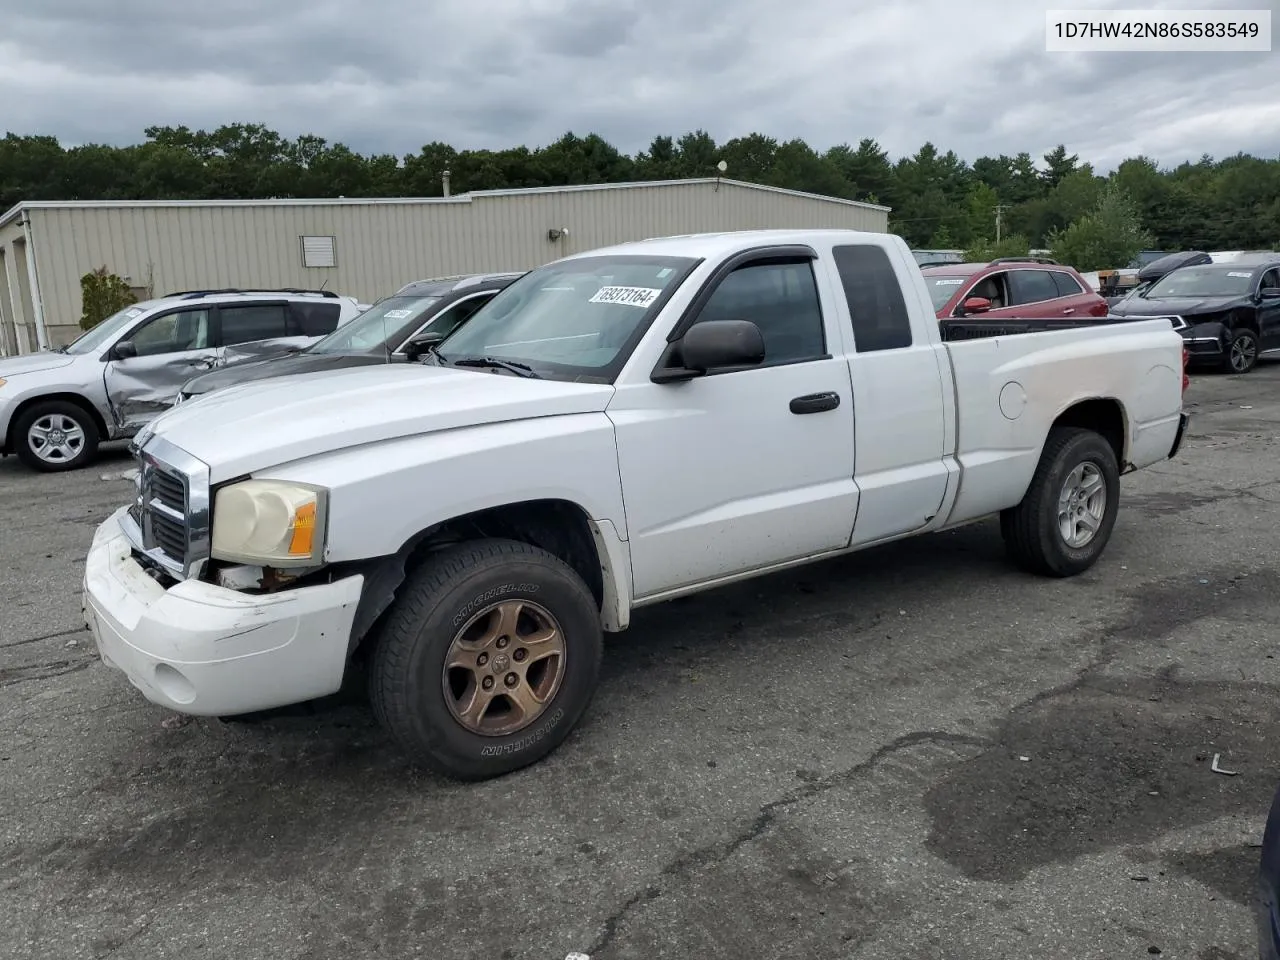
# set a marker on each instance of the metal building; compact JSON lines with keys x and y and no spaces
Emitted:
{"x":360,"y":247}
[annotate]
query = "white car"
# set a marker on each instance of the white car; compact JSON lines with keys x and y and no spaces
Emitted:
{"x":56,"y":406}
{"x":612,"y":430}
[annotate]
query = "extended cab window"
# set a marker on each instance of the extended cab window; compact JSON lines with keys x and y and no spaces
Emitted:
{"x":1032,"y":286}
{"x":172,"y":333}
{"x":874,"y":294}
{"x":779,"y":298}
{"x":317,"y":319}
{"x":264,"y":321}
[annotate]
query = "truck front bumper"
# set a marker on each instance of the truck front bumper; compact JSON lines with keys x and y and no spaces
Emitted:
{"x":209,"y":651}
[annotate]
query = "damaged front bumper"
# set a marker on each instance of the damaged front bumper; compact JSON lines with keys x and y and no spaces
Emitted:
{"x":205,"y":650}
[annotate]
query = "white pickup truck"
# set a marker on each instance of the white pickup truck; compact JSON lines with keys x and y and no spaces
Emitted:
{"x":614,"y":429}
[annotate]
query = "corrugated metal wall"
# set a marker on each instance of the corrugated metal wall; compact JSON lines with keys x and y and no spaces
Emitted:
{"x":382,"y":246}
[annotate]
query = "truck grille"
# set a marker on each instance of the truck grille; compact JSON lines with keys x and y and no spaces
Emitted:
{"x":160,"y":509}
{"x":170,"y":509}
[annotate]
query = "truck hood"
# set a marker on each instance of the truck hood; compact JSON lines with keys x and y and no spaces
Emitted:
{"x":1175,"y":307}
{"x":34,"y":363}
{"x":268,"y":423}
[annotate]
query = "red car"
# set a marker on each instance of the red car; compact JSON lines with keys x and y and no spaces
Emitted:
{"x":1027,"y":288}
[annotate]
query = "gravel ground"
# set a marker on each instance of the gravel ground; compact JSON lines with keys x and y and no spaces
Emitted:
{"x":913,"y":752}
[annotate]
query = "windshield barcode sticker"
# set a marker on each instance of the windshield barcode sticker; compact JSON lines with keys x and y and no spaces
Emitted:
{"x":631,"y":296}
{"x":1237,"y":273}
{"x":397,"y":314}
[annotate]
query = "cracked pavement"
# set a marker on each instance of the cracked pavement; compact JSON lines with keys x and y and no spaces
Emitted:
{"x":912,"y":752}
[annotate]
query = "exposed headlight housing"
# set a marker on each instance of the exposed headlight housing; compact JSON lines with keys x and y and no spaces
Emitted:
{"x":270,"y":523}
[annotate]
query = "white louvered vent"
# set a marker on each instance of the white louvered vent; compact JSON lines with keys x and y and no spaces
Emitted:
{"x":319,"y":251}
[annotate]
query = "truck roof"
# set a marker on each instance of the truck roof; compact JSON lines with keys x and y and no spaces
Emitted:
{"x":719,"y":244}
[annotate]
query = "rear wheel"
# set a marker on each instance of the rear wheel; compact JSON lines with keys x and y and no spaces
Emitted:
{"x":1241,"y":354}
{"x":56,"y":435}
{"x":1064,"y":522}
{"x":488,"y":658}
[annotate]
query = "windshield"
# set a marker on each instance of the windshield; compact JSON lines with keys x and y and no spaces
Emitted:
{"x":381,"y":327}
{"x":942,"y":289}
{"x":106,"y":331}
{"x":576,"y":318}
{"x":1208,"y":281}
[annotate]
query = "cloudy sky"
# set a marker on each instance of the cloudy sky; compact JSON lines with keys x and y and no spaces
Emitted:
{"x":389,"y":75}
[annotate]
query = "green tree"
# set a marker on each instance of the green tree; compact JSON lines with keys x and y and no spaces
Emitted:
{"x":102,"y":293}
{"x":1058,"y":165}
{"x":1207,"y":204}
{"x":1109,"y":236}
{"x":982,"y":251}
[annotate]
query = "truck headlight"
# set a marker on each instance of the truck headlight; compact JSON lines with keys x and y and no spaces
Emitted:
{"x":269,"y":523}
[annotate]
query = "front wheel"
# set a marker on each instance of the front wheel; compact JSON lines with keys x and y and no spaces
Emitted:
{"x":56,"y":435}
{"x":488,"y":658}
{"x":1241,"y":354}
{"x":1064,"y":522}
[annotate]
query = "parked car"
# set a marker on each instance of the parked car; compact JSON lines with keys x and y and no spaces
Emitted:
{"x":57,"y":406}
{"x":1228,"y":312}
{"x":1267,"y":905}
{"x":393,"y":330}
{"x":1032,"y":288}
{"x":470,"y":525}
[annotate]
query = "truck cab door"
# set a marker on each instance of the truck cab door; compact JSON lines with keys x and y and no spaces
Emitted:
{"x":898,"y":398}
{"x":744,"y":468}
{"x":148,"y":366}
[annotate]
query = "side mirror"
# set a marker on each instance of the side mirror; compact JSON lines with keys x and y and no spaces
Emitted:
{"x":976,"y":305}
{"x":1269,"y":293}
{"x":722,"y":343}
{"x":125,"y":350}
{"x":416,"y":348}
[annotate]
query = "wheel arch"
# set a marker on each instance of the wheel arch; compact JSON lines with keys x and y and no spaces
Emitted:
{"x":561,"y":527}
{"x":1105,"y":416}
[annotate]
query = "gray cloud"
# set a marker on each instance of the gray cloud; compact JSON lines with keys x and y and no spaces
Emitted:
{"x":390,"y":75}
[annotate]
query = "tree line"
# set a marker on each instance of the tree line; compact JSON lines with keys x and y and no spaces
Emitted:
{"x":938,"y":200}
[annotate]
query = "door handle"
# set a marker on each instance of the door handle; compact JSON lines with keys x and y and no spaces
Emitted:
{"x":815,"y":403}
{"x":1069,"y":311}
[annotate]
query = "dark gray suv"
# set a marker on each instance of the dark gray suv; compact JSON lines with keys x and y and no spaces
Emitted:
{"x":396,"y":329}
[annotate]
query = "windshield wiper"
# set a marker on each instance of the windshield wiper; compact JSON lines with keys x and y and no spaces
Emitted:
{"x":519,"y":369}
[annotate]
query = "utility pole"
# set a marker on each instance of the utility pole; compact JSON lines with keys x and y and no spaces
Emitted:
{"x":999,"y":212}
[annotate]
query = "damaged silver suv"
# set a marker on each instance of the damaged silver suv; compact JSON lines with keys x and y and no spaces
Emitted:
{"x":56,"y":406}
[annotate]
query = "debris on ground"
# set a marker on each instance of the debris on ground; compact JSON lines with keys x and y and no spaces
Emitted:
{"x":175,"y":721}
{"x":1217,"y":769}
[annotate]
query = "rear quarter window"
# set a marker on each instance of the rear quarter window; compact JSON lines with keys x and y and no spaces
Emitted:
{"x":1068,"y":286}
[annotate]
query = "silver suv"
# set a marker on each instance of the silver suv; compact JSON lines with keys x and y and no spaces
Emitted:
{"x":57,"y":406}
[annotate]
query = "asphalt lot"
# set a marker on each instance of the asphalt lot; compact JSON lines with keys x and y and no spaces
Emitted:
{"x":913,"y":752}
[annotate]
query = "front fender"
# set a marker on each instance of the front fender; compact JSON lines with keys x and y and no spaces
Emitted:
{"x":71,"y":381}
{"x":381,"y":495}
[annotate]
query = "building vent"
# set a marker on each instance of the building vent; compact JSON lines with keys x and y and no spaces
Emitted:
{"x":319,"y":251}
